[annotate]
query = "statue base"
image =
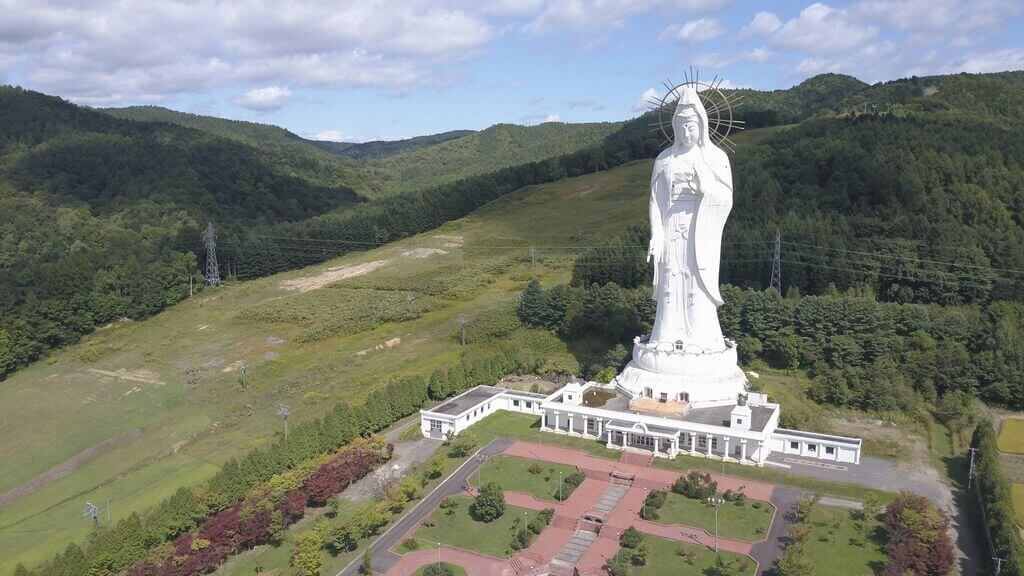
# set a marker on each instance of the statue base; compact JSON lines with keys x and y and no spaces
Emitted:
{"x":687,"y":374}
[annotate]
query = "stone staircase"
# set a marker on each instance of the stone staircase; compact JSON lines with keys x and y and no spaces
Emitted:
{"x":524,"y":562}
{"x":575,"y":548}
{"x":610,"y":498}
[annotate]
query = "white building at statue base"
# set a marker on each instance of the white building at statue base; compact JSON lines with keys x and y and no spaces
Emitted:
{"x":741,"y":432}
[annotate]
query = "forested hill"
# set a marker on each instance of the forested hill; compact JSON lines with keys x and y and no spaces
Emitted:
{"x":287,"y":152}
{"x":497,"y":147}
{"x":381,"y":148}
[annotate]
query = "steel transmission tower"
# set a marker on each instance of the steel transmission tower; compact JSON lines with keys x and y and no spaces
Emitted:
{"x":776,"y":281}
{"x":212,"y":271}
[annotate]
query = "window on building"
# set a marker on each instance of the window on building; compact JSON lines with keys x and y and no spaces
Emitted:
{"x":830,"y":450}
{"x":812,"y":447}
{"x":794,"y":445}
{"x":684,"y":396}
{"x":679,"y":345}
{"x":664,"y":397}
{"x":515,"y":403}
{"x":739,"y":421}
{"x":529,"y":404}
{"x":714,"y":443}
{"x":435,"y":425}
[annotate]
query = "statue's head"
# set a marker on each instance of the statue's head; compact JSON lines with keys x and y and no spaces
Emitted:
{"x":689,"y":123}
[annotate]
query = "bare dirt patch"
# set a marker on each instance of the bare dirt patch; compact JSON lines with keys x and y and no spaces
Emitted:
{"x":386,"y":344}
{"x":449,"y":240}
{"x":331,"y":275}
{"x":66,"y":467}
{"x":139,"y":375}
{"x":525,"y":383}
{"x":419,"y":253}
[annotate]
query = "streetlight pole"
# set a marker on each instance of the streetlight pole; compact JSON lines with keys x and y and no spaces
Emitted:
{"x":643,"y":513}
{"x":999,"y":564}
{"x":715,"y":503}
{"x":439,"y":556}
{"x":559,"y":485}
{"x":970,"y":471}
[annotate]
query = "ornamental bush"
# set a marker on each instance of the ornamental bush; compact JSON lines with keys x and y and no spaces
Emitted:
{"x":489,"y":503}
{"x":919,"y":541}
{"x":697,"y":485}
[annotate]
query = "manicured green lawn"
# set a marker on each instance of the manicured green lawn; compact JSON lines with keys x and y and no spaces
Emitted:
{"x":457,"y":570}
{"x":1011,"y":436}
{"x":663,"y":558}
{"x":513,"y":473}
{"x":527,"y":427}
{"x":838,"y":548}
{"x":460,"y":530}
{"x":685,"y":462}
{"x":1018,"y":503}
{"x":743,"y":522}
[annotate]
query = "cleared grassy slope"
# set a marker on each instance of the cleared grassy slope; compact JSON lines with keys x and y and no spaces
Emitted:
{"x":175,"y":377}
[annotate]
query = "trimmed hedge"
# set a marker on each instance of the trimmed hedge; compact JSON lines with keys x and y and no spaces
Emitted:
{"x":997,"y":501}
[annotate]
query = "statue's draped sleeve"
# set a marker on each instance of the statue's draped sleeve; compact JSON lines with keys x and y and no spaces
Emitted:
{"x":660,"y":192}
{"x":716,"y":186}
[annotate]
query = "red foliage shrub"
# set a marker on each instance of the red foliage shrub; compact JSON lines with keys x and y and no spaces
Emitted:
{"x":232,"y":529}
{"x":919,"y":541}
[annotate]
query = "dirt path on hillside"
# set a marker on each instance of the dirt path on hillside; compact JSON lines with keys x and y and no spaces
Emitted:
{"x":66,"y":467}
{"x":331,"y":275}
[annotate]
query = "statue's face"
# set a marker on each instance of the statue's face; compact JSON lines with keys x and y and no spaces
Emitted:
{"x":687,"y":128}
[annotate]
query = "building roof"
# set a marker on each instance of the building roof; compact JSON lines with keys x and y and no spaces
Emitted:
{"x":721,"y":416}
{"x":467,"y":400}
{"x":817,"y":436}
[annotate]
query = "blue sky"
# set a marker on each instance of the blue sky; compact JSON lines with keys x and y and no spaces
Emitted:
{"x":371,"y":69}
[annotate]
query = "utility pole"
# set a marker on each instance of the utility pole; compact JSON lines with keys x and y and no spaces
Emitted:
{"x":93,"y":512}
{"x":776,"y":279}
{"x":970,"y":471}
{"x":409,"y":297}
{"x":283,"y":411}
{"x":533,"y":257}
{"x":999,"y":564}
{"x":463,"y":320}
{"x":212,"y":271}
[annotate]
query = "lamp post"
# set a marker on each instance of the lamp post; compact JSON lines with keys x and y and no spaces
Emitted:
{"x":439,"y":556}
{"x":559,"y":485}
{"x":715,"y":503}
{"x":643,"y":513}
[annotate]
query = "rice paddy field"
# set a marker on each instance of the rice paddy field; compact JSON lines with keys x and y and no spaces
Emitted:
{"x":1011,"y":436}
{"x":138,"y":409}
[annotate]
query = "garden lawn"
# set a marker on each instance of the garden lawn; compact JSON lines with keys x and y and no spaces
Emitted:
{"x":743,"y":522}
{"x":838,"y":548}
{"x":663,"y":558}
{"x":527,"y":428}
{"x":460,"y":530}
{"x":456,"y":570}
{"x":513,"y":473}
{"x":1018,"y":503}
{"x":1011,"y":436}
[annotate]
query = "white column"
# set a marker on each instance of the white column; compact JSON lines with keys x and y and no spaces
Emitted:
{"x":608,"y":440}
{"x":569,"y":425}
{"x":623,"y":440}
{"x":675,"y":446}
{"x":585,"y":425}
{"x":761,"y":456}
{"x":693,"y":444}
{"x":600,"y":427}
{"x":708,"y":439}
{"x":743,"y":450}
{"x":543,"y":420}
{"x":725,"y":449}
{"x":556,"y":421}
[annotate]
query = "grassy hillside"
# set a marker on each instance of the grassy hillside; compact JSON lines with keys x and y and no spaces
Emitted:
{"x":497,"y":147}
{"x":288,"y":152}
{"x":168,"y":389}
{"x":382,"y":148}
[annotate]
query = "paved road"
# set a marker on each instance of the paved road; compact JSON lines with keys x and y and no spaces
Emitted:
{"x":406,"y":455}
{"x":769,"y":550}
{"x":380,"y":550}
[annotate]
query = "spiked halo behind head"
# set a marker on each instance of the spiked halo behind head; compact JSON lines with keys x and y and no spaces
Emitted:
{"x":718,"y":104}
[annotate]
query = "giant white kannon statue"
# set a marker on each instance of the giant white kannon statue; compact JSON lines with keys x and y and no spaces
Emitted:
{"x":686,"y":357}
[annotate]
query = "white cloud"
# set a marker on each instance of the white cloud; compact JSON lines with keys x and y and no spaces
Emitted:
{"x":115,"y":50}
{"x":718,"y":60}
{"x":701,"y":30}
{"x":764,"y":23}
{"x":595,"y":16}
{"x":264,"y":99}
{"x":551,"y":118}
{"x":821,"y":29}
{"x":645,"y":101}
{"x":939,"y":15}
{"x":329,"y":135}
{"x":991,"y":61}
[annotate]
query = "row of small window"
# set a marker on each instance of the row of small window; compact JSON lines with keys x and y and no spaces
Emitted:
{"x":515,"y":403}
{"x":473,"y":415}
{"x":830,"y":450}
